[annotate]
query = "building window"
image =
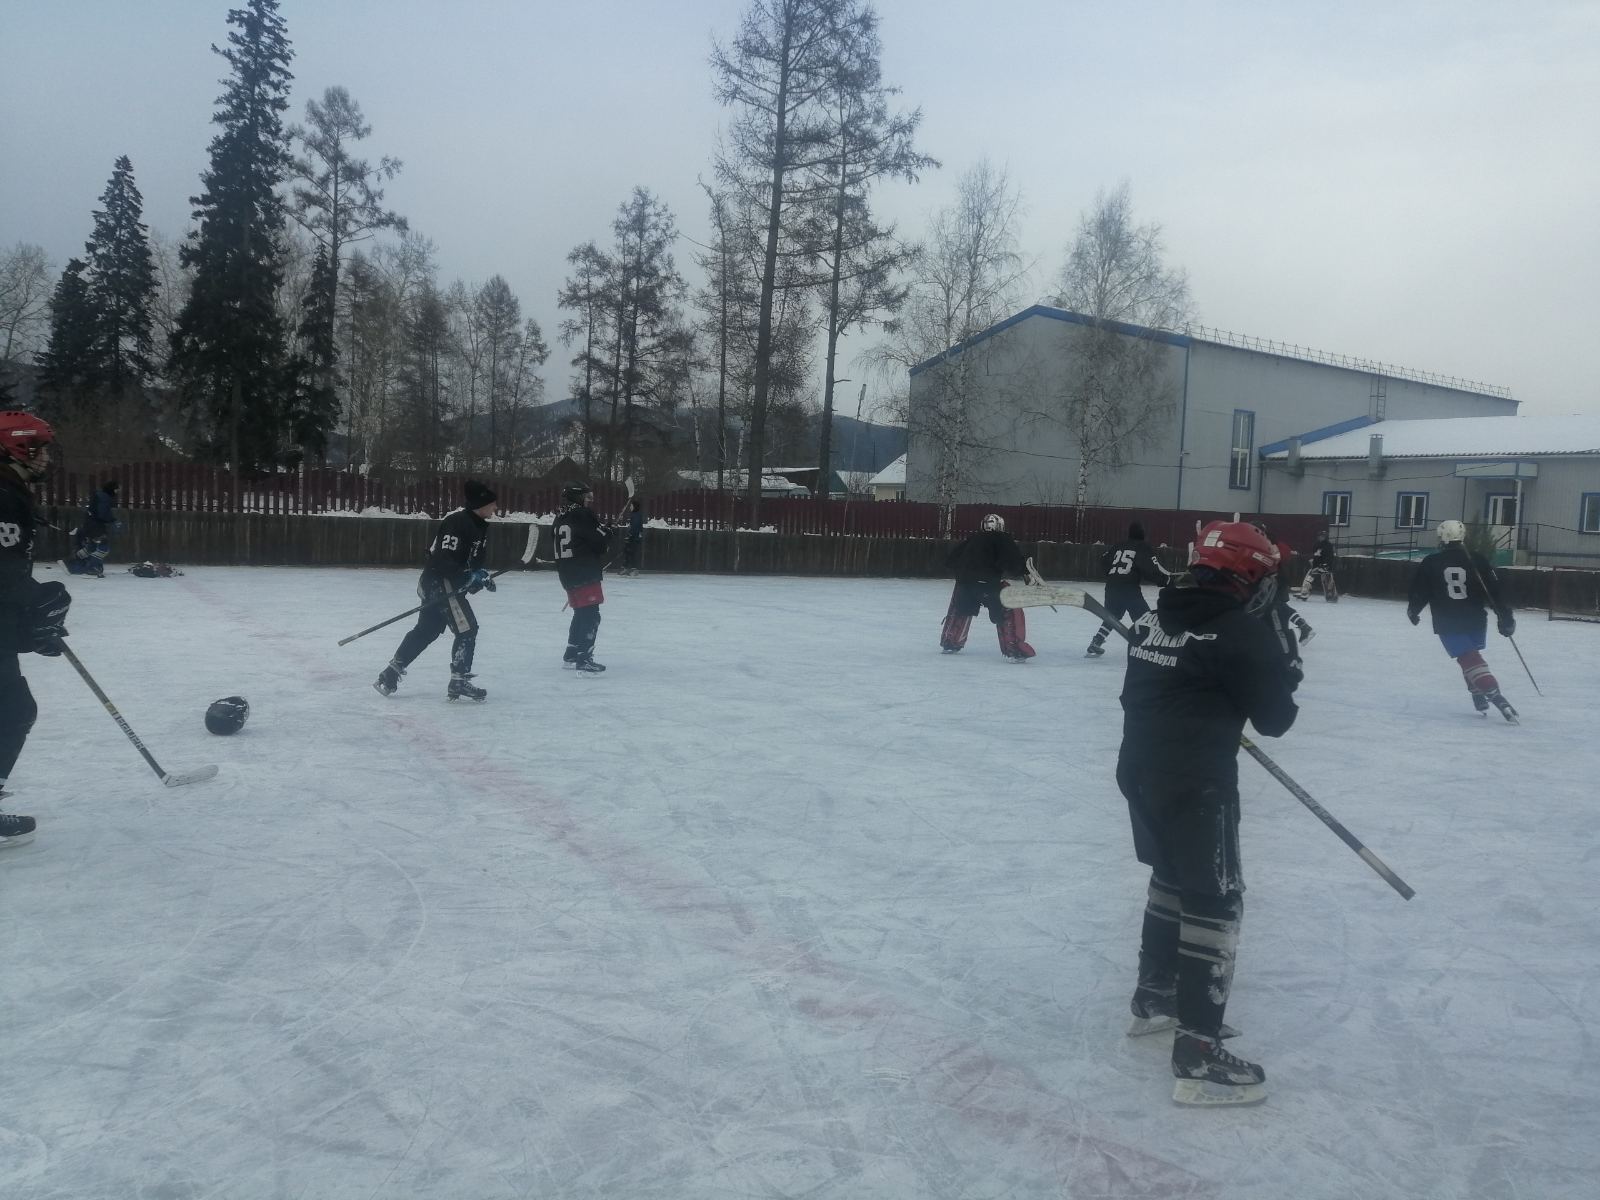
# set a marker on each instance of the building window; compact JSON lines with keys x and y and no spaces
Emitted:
{"x":1501,"y":509}
{"x":1244,"y":448}
{"x":1411,"y":510}
{"x":1589,"y":513}
{"x":1336,"y":507}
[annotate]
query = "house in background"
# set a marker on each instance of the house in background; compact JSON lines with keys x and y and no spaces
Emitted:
{"x":1386,"y":485}
{"x":890,"y":483}
{"x":1220,"y":397}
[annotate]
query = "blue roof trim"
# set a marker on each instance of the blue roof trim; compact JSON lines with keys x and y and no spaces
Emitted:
{"x":1054,"y":314}
{"x":1317,"y":435}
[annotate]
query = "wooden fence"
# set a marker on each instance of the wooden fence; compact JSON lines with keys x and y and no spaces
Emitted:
{"x":179,"y":487}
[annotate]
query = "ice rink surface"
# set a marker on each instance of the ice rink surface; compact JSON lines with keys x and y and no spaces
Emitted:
{"x":785,"y":904}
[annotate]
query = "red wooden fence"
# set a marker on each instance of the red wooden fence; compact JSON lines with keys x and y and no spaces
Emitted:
{"x":188,"y":487}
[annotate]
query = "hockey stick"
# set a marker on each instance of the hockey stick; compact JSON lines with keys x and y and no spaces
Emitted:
{"x":527,"y":557}
{"x":197,"y":776}
{"x":1038,"y":580}
{"x":1283,"y":777}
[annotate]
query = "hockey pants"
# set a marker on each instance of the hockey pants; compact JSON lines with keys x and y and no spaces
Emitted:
{"x":17,"y":713}
{"x":1120,"y":603}
{"x":454,"y":614}
{"x":1187,"y":832}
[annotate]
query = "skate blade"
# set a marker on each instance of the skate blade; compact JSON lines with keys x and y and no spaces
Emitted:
{"x":1202,"y":1093}
{"x":21,"y":839}
{"x":1143,"y":1026}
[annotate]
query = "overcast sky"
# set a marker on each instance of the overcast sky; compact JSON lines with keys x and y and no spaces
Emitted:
{"x":1416,"y":183}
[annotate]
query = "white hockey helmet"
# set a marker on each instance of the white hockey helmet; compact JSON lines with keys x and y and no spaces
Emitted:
{"x":994,"y":523}
{"x":1451,"y":531}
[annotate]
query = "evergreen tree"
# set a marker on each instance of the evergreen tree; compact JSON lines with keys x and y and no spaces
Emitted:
{"x":315,"y":381}
{"x":68,"y":358}
{"x":583,"y":293}
{"x":648,"y":289}
{"x":121,"y":287}
{"x":229,"y":351}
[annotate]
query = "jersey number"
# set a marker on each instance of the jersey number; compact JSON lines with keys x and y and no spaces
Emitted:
{"x":563,"y":541}
{"x":448,"y":541}
{"x":1122,"y":562}
{"x":10,"y":533}
{"x":1455,"y":583}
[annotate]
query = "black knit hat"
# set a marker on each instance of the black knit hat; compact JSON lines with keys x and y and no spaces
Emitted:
{"x":1136,"y":532}
{"x":478,"y":494}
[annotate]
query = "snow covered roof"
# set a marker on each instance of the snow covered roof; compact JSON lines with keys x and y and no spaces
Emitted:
{"x":1456,"y":437}
{"x":894,"y":473}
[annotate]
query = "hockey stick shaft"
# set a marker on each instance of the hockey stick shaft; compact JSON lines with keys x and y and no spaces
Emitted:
{"x":1288,"y":781}
{"x":105,"y":700}
{"x":1509,"y":638}
{"x":527,"y":557}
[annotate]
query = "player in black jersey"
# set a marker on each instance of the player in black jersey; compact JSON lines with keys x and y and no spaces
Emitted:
{"x":1199,"y":667}
{"x":32,"y":614}
{"x":1127,"y":565}
{"x":581,"y":541}
{"x":455,"y":564}
{"x":981,"y":564}
{"x":1457,"y":585}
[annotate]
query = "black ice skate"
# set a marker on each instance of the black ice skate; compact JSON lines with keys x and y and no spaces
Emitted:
{"x":588,"y":666}
{"x":570,"y":656}
{"x":1504,"y":705}
{"x":1095,"y":650}
{"x":1209,"y":1074}
{"x":15,"y":830}
{"x":388,"y":681}
{"x":1155,"y":1010}
{"x":461,"y":688}
{"x":1305,"y":630}
{"x":1480,"y":702}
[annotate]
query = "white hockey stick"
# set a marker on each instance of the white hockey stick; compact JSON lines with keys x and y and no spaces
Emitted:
{"x":196,"y":776}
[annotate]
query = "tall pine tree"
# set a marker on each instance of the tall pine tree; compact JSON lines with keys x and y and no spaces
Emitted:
{"x":229,"y":352}
{"x":316,"y":396}
{"x":67,"y":360}
{"x":122,"y":285}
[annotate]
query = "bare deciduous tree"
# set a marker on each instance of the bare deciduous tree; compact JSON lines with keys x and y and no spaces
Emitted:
{"x":1116,"y":396}
{"x":25,"y":285}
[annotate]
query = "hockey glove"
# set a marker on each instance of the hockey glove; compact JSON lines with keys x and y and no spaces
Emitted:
{"x":1416,"y":619}
{"x":1508,"y":625}
{"x":478,"y":581}
{"x":44,"y":620}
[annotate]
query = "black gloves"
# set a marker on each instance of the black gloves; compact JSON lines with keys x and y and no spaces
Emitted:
{"x":479,"y":581}
{"x":1508,"y":625}
{"x":43,"y":622}
{"x":1416,"y":618}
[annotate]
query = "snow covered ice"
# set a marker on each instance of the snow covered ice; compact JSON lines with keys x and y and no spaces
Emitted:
{"x":787,"y":903}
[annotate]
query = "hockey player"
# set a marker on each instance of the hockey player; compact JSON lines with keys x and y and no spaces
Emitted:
{"x":635,"y":539}
{"x":580,"y":547}
{"x":455,"y":562}
{"x":1457,"y":584}
{"x":1321,"y":571}
{"x":1127,"y":565}
{"x":32,"y":614}
{"x":1292,"y":630}
{"x":92,"y":545}
{"x":981,"y":564}
{"x":1199,"y":667}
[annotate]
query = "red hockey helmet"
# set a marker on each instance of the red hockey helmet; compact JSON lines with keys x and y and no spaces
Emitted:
{"x":21,"y":436}
{"x":1237,"y":552}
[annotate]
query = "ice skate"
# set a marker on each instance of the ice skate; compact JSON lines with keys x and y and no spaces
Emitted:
{"x":951,"y":649}
{"x":1504,"y":705}
{"x":1095,"y":650}
{"x":462,"y":688}
{"x":1016,"y":658}
{"x":570,"y":656}
{"x":1209,"y":1074}
{"x":1480,"y":702}
{"x":388,"y":681}
{"x":15,"y":830}
{"x":588,"y":666}
{"x":1303,"y":628}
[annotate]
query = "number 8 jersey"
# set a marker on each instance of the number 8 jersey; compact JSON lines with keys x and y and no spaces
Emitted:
{"x":1456,"y":584}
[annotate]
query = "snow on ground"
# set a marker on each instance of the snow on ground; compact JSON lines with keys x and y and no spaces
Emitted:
{"x":785,"y":904}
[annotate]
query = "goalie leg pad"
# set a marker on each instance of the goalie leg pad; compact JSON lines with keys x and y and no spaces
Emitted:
{"x":1013,"y":628}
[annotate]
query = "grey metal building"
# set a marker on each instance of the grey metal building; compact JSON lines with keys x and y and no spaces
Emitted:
{"x":1222,"y":400}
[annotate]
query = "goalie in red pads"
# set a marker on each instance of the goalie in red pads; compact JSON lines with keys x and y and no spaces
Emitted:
{"x":981,"y":565}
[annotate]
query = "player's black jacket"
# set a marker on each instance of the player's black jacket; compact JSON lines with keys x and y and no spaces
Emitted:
{"x":988,"y":556}
{"x":1322,"y":554}
{"x":17,"y":585}
{"x":1130,"y":563}
{"x":458,"y":548}
{"x":1198,"y":668}
{"x":1452,"y":582}
{"x":580,"y":546}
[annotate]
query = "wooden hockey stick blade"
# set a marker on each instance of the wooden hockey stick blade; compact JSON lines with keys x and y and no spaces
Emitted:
{"x":1031,"y":595}
{"x":1035,"y":578}
{"x":196,"y":776}
{"x":533,"y":542}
